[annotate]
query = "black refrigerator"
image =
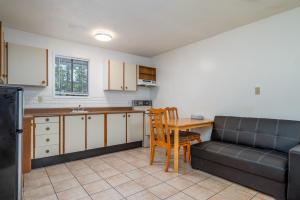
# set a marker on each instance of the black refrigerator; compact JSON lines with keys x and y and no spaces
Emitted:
{"x":11,"y":135}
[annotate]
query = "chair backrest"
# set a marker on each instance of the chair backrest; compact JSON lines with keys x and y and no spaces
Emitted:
{"x":160,"y":132}
{"x":172,"y":113}
{"x":280,"y":135}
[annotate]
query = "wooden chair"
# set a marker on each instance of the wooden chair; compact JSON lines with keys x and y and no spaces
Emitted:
{"x":161,"y":137}
{"x":173,"y":115}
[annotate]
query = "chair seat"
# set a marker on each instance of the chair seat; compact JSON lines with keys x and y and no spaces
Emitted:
{"x":182,"y":139}
{"x":190,"y":134}
{"x":262,"y":162}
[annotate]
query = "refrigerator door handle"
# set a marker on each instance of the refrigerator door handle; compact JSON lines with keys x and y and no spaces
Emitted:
{"x":20,"y":110}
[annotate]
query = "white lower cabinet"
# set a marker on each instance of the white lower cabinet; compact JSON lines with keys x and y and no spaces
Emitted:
{"x":95,"y":131}
{"x":135,"y":127}
{"x":116,"y":129}
{"x":46,"y":137}
{"x":74,"y":133}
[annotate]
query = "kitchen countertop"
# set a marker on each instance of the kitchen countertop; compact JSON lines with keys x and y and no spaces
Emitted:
{"x":47,"y":112}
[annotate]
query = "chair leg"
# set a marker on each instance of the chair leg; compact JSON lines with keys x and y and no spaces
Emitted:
{"x":189,"y":153}
{"x":168,"y":159}
{"x":184,"y":153}
{"x":152,"y":153}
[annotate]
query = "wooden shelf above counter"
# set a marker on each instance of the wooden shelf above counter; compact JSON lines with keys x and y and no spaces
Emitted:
{"x":147,"y":73}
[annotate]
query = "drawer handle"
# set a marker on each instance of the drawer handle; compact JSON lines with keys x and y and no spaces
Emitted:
{"x":47,"y":151}
{"x":48,"y":129}
{"x":47,"y":140}
{"x":47,"y":119}
{"x":89,"y":118}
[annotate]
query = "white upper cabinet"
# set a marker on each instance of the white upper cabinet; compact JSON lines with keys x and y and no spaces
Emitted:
{"x":116,"y":129}
{"x":119,"y":76}
{"x":27,"y":65}
{"x":74,"y":133}
{"x":113,"y":75}
{"x":130,"y":75}
{"x":95,"y":131}
{"x":135,"y":127}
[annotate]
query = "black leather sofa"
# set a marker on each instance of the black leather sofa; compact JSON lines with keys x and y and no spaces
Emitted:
{"x":263,"y":154}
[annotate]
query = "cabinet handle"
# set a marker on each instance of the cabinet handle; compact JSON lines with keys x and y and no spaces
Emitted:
{"x":43,"y":82}
{"x":126,"y":87}
{"x":47,"y":119}
{"x":48,"y":128}
{"x":128,"y":115}
{"x":82,"y":118}
{"x":89,"y":117}
{"x":47,"y":151}
{"x":47,"y":140}
{"x":123,"y":115}
{"x":121,"y":87}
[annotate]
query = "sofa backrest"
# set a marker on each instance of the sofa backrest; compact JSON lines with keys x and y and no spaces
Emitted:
{"x":280,"y":135}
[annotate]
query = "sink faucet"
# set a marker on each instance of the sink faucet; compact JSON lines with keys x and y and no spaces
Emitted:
{"x":79,"y":108}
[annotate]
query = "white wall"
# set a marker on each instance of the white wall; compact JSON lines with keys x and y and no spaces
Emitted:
{"x":217,"y":76}
{"x":96,"y":56}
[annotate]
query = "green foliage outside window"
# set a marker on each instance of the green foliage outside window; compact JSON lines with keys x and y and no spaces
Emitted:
{"x":71,"y":77}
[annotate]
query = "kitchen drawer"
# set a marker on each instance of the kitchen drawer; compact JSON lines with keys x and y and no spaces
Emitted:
{"x":41,"y":120}
{"x":49,"y":128}
{"x":46,"y":140}
{"x":46,"y":151}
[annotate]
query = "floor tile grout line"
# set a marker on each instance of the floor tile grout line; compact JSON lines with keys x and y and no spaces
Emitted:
{"x":51,"y":183}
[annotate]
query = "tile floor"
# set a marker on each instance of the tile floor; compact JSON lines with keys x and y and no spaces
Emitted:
{"x":128,"y":175}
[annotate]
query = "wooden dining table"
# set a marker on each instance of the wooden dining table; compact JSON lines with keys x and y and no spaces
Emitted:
{"x":183,"y":124}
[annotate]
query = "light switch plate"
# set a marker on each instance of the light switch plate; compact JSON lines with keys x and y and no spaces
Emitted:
{"x":257,"y":90}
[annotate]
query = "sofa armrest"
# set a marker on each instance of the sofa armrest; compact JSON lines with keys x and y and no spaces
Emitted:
{"x":294,"y":173}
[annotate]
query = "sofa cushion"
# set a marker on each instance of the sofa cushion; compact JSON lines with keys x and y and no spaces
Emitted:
{"x":262,"y":162}
{"x":280,"y":135}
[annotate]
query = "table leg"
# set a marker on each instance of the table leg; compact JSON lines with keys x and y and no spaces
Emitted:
{"x":176,"y":149}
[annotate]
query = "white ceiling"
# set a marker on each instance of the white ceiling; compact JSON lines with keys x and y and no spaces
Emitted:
{"x":141,"y":27}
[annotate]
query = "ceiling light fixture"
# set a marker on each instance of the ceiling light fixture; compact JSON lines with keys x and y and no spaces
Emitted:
{"x":104,"y":37}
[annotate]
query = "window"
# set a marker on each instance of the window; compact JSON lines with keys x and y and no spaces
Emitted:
{"x":71,"y":76}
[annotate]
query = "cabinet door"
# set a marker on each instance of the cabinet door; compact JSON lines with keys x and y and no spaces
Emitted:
{"x":135,"y":127}
{"x":130,"y":77}
{"x":27,"y":65}
{"x":115,"y":75}
{"x":116,"y":129}
{"x":74,"y":133}
{"x":95,"y":131}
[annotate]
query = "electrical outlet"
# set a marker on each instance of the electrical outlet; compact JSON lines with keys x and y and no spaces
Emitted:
{"x":257,"y":90}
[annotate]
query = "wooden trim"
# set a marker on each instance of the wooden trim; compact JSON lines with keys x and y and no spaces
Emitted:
{"x":1,"y":49}
{"x":34,"y":127}
{"x":64,"y":136}
{"x":47,"y":59}
{"x":85,"y":131}
{"x":68,"y":110}
{"x":105,"y":129}
{"x":126,"y":127}
{"x":108,"y":75}
{"x":59,"y":134}
{"x":27,"y":145}
{"x":124,"y":76}
{"x":6,"y":64}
